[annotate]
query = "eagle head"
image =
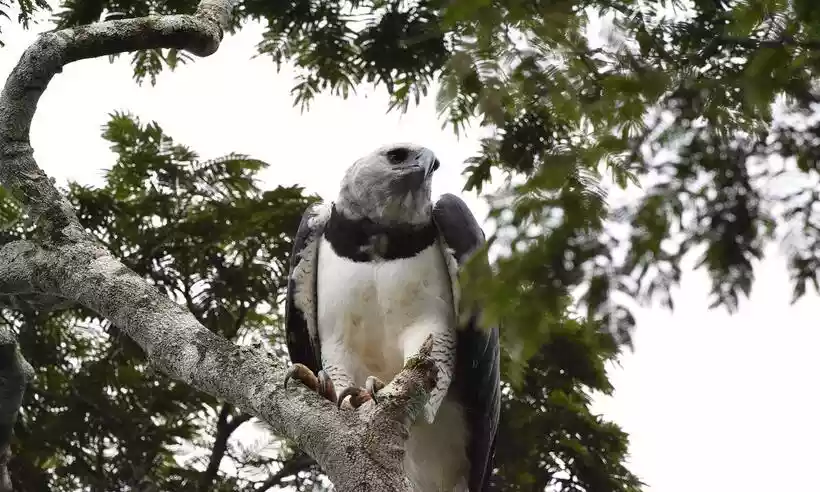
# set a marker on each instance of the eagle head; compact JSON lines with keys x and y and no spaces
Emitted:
{"x":390,"y":185}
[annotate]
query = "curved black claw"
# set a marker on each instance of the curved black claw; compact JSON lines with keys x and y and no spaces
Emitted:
{"x":373,"y":385}
{"x":357,"y":396}
{"x":325,"y":387}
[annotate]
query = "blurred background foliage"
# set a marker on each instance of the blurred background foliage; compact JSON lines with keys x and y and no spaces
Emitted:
{"x":702,"y":111}
{"x":205,"y":234}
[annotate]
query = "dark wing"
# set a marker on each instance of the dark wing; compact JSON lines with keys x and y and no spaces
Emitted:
{"x":477,"y":378}
{"x":300,"y":305}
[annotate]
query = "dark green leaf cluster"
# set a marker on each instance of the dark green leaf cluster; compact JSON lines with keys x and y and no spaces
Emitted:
{"x":711,"y":110}
{"x":336,"y":45}
{"x":548,"y":437}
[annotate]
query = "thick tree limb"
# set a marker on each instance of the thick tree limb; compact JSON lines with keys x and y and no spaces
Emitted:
{"x":359,"y":450}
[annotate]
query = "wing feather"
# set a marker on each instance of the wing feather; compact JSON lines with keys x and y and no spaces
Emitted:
{"x":477,"y":377}
{"x":300,"y":304}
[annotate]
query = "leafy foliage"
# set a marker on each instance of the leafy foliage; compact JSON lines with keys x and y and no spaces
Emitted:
{"x":681,"y":97}
{"x":27,"y":10}
{"x":699,"y":79}
{"x":704,"y":103}
{"x":207,"y":236}
{"x":548,"y":438}
{"x":708,"y":105}
{"x":204,"y":233}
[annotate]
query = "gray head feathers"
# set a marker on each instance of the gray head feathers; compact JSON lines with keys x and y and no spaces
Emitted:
{"x":390,"y":185}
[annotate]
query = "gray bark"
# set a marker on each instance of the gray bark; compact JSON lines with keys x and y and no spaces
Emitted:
{"x":359,"y":450}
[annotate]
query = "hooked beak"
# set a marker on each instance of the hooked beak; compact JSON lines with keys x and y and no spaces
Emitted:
{"x":427,"y":160}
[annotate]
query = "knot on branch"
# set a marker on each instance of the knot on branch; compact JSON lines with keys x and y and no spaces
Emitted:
{"x":404,"y":398}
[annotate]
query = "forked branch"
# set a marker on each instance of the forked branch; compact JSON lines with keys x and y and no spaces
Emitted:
{"x":359,"y":450}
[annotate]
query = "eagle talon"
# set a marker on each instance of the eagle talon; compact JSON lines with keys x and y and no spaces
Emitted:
{"x":320,"y":383}
{"x":301,"y":372}
{"x":373,"y":385}
{"x":326,"y":388}
{"x":358,"y":396}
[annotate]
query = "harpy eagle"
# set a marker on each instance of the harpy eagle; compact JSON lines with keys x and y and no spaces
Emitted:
{"x":371,"y":276}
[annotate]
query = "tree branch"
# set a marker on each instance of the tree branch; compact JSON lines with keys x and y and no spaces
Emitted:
{"x":224,"y":429}
{"x":291,"y":466}
{"x":785,"y":41}
{"x":200,"y":34}
{"x":359,"y":450}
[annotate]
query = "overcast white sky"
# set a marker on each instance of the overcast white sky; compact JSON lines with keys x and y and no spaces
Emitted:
{"x":712,"y":402}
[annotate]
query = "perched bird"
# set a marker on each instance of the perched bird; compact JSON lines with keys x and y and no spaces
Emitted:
{"x":372,"y":275}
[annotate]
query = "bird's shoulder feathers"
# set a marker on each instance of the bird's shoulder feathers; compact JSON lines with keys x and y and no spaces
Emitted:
{"x":300,"y":303}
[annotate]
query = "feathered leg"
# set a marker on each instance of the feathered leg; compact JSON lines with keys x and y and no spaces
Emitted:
{"x":444,"y":355}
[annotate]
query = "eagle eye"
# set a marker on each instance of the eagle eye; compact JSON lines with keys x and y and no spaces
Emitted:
{"x":398,"y":155}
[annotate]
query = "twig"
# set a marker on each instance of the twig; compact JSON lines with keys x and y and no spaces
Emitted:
{"x":785,"y":41}
{"x":291,"y":466}
{"x":224,"y":429}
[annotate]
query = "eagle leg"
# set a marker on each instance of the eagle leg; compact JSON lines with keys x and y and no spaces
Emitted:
{"x":320,"y":383}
